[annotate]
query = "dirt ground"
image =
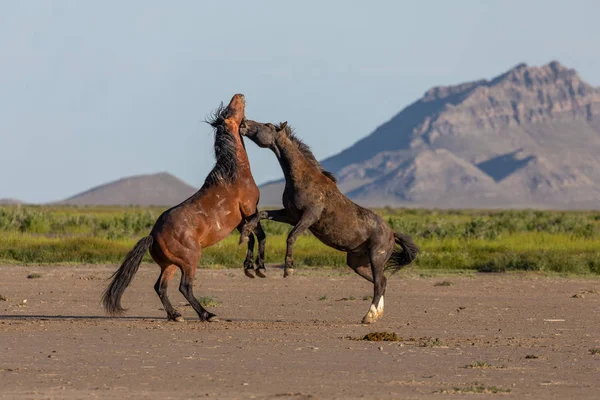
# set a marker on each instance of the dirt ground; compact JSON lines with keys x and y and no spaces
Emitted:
{"x":518,"y":336}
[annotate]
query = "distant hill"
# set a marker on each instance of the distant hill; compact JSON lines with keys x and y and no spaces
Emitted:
{"x":10,"y":202}
{"x":529,"y":137}
{"x":160,"y":189}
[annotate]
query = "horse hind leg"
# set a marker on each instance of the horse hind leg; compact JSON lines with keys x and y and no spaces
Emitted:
{"x":161,"y":286}
{"x":186,"y":287}
{"x":360,"y":263}
{"x":378,"y":255}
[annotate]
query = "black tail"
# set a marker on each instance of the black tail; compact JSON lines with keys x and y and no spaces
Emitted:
{"x":123,"y":277}
{"x":403,"y":256}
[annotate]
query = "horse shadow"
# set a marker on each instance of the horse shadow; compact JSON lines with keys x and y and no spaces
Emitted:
{"x":17,"y":317}
{"x":40,"y":317}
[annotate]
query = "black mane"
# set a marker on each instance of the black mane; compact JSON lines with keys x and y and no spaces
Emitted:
{"x":225,"y":170}
{"x":305,"y":150}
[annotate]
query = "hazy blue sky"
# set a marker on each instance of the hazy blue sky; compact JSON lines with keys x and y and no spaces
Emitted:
{"x":91,"y":91}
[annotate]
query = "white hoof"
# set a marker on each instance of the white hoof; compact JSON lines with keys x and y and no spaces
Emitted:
{"x":374,"y":313}
{"x":370,"y":318}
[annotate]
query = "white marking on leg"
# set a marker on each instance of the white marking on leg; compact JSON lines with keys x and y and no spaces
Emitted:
{"x":218,"y":225}
{"x":373,"y":310}
{"x":380,"y":306}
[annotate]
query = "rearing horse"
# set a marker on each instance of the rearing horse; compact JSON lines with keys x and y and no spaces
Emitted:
{"x":313,"y":201}
{"x":228,"y":197}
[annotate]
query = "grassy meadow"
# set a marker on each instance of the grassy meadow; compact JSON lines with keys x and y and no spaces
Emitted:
{"x":478,"y":240}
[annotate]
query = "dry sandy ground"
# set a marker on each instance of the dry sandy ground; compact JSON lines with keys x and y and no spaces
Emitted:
{"x":283,"y":339}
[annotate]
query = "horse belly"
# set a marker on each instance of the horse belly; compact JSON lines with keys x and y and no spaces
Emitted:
{"x":334,"y":235}
{"x":340,"y":231}
{"x":329,"y":240}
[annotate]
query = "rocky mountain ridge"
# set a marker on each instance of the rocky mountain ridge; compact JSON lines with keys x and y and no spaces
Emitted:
{"x":529,"y":137}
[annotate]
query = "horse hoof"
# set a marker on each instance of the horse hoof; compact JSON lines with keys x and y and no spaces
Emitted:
{"x":249,"y":272}
{"x":177,"y":318}
{"x":371,"y":317}
{"x":261,"y":272}
{"x":367,"y":319}
{"x":244,"y":239}
{"x":288,"y":272}
{"x":208,"y":317}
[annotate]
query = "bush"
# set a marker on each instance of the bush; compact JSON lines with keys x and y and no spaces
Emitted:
{"x":480,"y":240}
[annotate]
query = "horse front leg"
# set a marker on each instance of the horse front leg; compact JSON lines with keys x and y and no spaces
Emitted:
{"x":249,"y":225}
{"x":257,"y":266}
{"x":260,"y":257}
{"x":249,"y":262}
{"x":253,"y":222}
{"x":308,"y":218}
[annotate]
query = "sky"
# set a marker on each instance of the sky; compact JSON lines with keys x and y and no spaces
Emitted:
{"x":94,"y":91}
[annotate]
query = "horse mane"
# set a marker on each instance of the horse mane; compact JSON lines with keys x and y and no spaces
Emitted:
{"x":305,"y":150}
{"x":225,"y":170}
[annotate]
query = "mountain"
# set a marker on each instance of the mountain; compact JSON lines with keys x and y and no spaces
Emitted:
{"x":529,"y":137}
{"x":160,"y":189}
{"x":9,"y":201}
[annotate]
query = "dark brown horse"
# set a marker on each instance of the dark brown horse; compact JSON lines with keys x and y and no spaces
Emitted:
{"x":313,"y":201}
{"x":228,"y":197}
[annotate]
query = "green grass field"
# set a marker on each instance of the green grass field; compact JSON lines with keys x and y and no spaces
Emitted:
{"x":490,"y":241}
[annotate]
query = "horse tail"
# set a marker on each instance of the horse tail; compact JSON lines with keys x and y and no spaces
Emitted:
{"x":404,"y":255}
{"x":123,"y":277}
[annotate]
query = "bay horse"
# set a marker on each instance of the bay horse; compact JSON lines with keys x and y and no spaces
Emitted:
{"x":227,"y":198}
{"x":312,"y":201}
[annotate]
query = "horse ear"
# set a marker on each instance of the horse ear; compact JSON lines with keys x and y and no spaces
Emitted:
{"x":283,"y":125}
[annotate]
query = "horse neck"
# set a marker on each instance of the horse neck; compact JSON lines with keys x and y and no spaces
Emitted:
{"x":290,"y":158}
{"x":243,"y":164}
{"x":232,"y":165}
